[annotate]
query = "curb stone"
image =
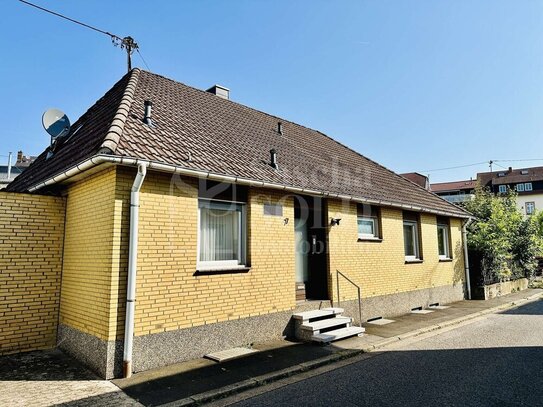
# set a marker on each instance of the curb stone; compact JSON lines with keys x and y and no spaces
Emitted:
{"x":201,"y":398}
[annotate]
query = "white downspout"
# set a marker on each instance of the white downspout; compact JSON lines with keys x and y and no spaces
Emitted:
{"x":132,"y":268}
{"x":466,"y":260}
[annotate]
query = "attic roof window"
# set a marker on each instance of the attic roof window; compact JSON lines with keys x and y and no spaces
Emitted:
{"x":501,"y":174}
{"x":524,"y":172}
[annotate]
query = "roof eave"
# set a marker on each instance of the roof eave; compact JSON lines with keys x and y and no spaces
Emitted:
{"x":173,"y":169}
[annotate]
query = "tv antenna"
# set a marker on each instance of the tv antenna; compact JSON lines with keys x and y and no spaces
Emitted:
{"x":126,"y":43}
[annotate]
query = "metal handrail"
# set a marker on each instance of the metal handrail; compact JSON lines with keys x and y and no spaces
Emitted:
{"x":339,"y":273}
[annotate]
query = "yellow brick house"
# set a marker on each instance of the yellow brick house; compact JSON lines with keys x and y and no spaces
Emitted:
{"x":194,"y":224}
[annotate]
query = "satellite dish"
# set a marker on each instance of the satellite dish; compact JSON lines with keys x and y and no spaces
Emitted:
{"x":56,"y":123}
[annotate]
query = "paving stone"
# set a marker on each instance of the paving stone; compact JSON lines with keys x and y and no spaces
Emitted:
{"x":47,"y":378}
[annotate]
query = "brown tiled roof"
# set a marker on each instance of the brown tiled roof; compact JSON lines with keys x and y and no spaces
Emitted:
{"x":511,"y":176}
{"x":223,"y":137}
{"x":453,"y":186}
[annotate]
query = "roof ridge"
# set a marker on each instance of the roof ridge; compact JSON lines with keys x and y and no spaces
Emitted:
{"x":111,"y":140}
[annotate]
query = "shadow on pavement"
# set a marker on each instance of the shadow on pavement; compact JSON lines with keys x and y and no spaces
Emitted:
{"x":451,"y":377}
{"x":171,"y":387}
{"x":533,"y":308}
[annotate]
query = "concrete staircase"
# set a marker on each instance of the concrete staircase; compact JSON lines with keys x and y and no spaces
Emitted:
{"x":324,"y":325}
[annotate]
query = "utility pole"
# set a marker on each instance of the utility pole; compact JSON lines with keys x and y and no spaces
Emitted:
{"x":129,"y":45}
{"x":490,"y":164}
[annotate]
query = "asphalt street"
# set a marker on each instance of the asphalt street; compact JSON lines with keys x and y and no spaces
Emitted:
{"x":494,"y":361}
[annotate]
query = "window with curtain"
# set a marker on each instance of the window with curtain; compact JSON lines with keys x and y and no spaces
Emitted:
{"x":221,"y":234}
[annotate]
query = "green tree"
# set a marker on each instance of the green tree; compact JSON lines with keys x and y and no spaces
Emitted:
{"x":501,"y":240}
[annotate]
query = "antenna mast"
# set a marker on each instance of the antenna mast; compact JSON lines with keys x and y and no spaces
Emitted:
{"x":126,"y":43}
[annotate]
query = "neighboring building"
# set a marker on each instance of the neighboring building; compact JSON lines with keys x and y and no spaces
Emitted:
{"x":24,"y":161}
{"x":456,"y":191}
{"x":16,"y":169}
{"x":419,"y":179}
{"x":527,"y":182}
{"x":239,"y":219}
{"x":5,"y":179}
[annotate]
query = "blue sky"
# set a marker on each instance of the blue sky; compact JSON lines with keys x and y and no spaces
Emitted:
{"x":414,"y":85}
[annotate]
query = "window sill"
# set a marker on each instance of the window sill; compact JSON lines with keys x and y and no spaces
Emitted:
{"x":445,"y":260}
{"x":370,"y":239}
{"x":413,"y":261}
{"x":222,"y":270}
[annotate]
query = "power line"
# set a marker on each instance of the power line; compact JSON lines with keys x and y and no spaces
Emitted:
{"x":71,"y":19}
{"x":455,"y":167}
{"x":524,"y":159}
{"x":126,"y":43}
{"x":141,"y":56}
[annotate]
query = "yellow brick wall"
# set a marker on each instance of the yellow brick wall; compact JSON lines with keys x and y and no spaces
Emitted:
{"x":379,"y":267}
{"x":169,"y":294}
{"x":31,"y":238}
{"x":88,"y":283}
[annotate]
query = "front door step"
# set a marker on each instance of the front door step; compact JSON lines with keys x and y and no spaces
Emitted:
{"x":337,"y":334}
{"x":324,"y":325}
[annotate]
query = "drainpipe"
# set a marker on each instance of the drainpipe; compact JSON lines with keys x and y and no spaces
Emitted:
{"x":132,"y":267}
{"x":466,"y":260}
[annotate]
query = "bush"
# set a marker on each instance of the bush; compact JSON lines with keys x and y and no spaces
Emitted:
{"x":503,"y":243}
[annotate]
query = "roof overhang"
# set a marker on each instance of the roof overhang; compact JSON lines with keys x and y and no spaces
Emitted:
{"x":102,"y":161}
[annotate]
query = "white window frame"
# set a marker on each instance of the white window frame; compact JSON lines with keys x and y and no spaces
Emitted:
{"x":520,"y":187}
{"x":532,"y":204}
{"x":242,"y":237}
{"x":528,"y":186}
{"x":375,"y":221}
{"x":415,"y":227}
{"x":446,"y":242}
{"x":502,"y":189}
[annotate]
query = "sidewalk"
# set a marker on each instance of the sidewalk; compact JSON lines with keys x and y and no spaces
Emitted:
{"x":199,"y":381}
